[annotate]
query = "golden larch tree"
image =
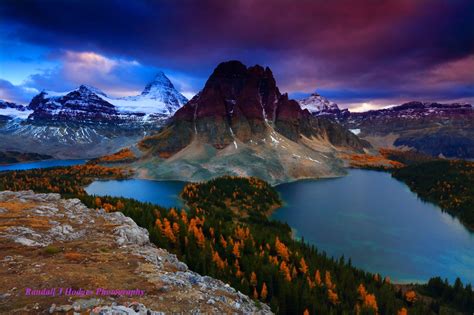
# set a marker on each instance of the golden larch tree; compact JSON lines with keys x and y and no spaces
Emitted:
{"x":264,"y":292}
{"x":303,"y":266}
{"x":253,"y":279}
{"x":317,"y":278}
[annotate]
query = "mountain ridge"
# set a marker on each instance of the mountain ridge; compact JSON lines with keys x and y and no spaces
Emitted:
{"x":436,"y":129}
{"x":85,"y":122}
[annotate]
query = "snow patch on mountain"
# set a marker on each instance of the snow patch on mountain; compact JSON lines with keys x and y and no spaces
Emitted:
{"x":158,"y":97}
{"x":14,"y":111}
{"x":316,"y":103}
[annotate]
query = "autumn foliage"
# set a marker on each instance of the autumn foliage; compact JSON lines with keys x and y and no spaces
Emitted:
{"x":225,"y":233}
{"x":379,"y":160}
{"x":122,"y":156}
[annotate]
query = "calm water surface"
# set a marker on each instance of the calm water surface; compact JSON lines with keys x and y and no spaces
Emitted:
{"x":379,"y":223}
{"x":40,"y":164}
{"x":163,"y":193}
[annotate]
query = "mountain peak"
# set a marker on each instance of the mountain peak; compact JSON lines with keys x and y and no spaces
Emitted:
{"x":243,"y":103}
{"x":90,"y":89}
{"x":232,"y":67}
{"x":318,"y":104}
{"x":160,"y":75}
{"x":159,"y":82}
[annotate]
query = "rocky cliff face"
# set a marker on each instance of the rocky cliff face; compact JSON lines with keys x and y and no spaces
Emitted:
{"x":47,"y":242}
{"x":241,"y":117}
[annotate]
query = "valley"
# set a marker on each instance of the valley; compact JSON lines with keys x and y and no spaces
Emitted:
{"x":249,"y":157}
{"x":365,"y":223}
{"x":240,"y":160}
{"x":290,"y":241}
{"x":213,"y":222}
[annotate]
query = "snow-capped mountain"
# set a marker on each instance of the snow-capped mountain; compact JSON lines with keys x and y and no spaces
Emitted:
{"x":72,"y":124}
{"x":84,"y":104}
{"x":158,"y":97}
{"x":317,"y":104}
{"x":159,"y":100}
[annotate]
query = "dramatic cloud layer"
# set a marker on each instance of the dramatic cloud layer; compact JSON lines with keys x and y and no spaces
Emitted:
{"x":364,"y":53}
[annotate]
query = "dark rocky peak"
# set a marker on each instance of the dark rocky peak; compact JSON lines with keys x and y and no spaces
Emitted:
{"x":233,"y":90}
{"x":85,"y":92}
{"x":409,"y":105}
{"x":37,"y":100}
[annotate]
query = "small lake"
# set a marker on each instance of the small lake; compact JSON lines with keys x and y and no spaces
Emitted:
{"x":379,"y":223}
{"x":40,"y":164}
{"x":163,"y":193}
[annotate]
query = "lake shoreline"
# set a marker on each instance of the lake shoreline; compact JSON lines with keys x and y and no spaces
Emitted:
{"x":341,"y":226}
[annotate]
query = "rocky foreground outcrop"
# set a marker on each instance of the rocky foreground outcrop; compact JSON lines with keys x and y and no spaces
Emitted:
{"x":58,"y":256}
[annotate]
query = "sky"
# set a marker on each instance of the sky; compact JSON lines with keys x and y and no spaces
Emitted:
{"x":360,"y":54}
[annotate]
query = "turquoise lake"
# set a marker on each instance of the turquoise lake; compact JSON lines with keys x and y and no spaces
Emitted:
{"x":367,"y":216}
{"x":40,"y":164}
{"x":163,"y":193}
{"x":381,"y":225}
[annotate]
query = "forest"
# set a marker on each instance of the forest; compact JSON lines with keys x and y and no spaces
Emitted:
{"x":447,"y":183}
{"x":10,"y":157}
{"x":224,"y":232}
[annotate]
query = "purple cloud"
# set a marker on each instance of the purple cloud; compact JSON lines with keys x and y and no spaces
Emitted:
{"x":398,"y":47}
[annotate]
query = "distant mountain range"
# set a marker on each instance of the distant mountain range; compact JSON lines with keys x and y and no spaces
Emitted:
{"x":236,"y":111}
{"x":241,"y":124}
{"x":86,"y":122}
{"x":432,"y":128}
